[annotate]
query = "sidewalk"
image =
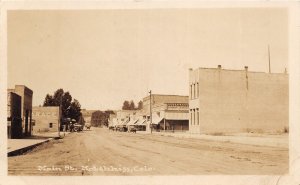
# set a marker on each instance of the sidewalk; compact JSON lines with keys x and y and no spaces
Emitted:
{"x":19,"y":146}
{"x":281,"y":141}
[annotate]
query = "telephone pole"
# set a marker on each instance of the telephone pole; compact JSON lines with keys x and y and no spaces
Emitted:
{"x":60,"y":115}
{"x":269,"y":59}
{"x":150,"y":113}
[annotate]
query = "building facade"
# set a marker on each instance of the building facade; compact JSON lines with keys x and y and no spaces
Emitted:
{"x":46,"y":119}
{"x":138,"y":120}
{"x":230,"y":101}
{"x":163,"y":106}
{"x":14,"y":119}
{"x":171,"y":116}
{"x":26,"y":107}
{"x":112,"y":119}
{"x":160,"y":99}
{"x":123,"y":116}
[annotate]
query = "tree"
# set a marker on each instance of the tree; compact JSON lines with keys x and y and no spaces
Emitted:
{"x":81,"y":120}
{"x":126,"y":105}
{"x":131,"y":105}
{"x":97,"y":118}
{"x":48,"y":100}
{"x":74,"y":110}
{"x":66,"y":104}
{"x":57,"y":97}
{"x":109,"y":112}
{"x":100,"y":118}
{"x":70,"y":109}
{"x":140,"y":105}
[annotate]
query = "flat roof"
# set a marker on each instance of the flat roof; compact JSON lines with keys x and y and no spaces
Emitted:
{"x":224,"y":69}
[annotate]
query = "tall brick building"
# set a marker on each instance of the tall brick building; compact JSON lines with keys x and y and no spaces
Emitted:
{"x":26,"y":107}
{"x":229,"y":101}
{"x":14,"y":120}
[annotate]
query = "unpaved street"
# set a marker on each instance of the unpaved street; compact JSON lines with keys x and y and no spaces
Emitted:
{"x":101,"y":152}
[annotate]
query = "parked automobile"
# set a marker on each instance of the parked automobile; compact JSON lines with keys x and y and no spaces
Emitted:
{"x":121,"y":129}
{"x":78,"y":127}
{"x":112,"y":128}
{"x":88,"y":126}
{"x":132,"y":129}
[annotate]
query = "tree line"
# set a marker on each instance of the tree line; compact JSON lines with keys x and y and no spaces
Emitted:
{"x":130,"y":105}
{"x":71,"y":108}
{"x":100,"y":118}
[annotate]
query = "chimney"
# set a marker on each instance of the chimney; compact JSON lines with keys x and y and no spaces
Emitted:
{"x":219,"y":67}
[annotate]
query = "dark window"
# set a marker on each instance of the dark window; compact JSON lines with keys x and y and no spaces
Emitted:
{"x":191,"y":92}
{"x":198,"y":118}
{"x":197,"y":89}
{"x":191,"y":111}
{"x":50,"y":125}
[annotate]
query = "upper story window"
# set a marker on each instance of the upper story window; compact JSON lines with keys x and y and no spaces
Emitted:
{"x":194,"y":90}
{"x":191,"y":91}
{"x":197,"y":89}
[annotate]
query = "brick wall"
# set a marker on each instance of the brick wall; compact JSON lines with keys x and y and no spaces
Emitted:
{"x":240,"y":101}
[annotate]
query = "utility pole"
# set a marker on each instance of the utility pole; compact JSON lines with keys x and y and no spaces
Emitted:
{"x":60,"y":116}
{"x":150,"y":113}
{"x":269,"y":59}
{"x":164,"y":124}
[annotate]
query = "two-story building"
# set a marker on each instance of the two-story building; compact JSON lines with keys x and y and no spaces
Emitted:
{"x":26,"y":95}
{"x":230,"y":101}
{"x":14,"y":118}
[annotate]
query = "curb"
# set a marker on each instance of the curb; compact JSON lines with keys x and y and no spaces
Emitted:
{"x":27,"y":148}
{"x":221,"y":140}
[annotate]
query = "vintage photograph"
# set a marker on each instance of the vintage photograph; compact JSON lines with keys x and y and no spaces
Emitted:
{"x":148,"y":92}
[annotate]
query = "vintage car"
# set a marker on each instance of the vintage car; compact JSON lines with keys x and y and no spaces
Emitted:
{"x":121,"y":128}
{"x":88,"y":126}
{"x":111,"y":128}
{"x":132,"y":129}
{"x":77,"y":127}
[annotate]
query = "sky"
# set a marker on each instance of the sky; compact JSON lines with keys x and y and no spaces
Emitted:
{"x":103,"y":57}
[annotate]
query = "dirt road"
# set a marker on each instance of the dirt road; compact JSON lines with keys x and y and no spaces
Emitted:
{"x":101,"y":152}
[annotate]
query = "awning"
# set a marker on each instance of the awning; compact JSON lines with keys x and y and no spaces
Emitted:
{"x":141,"y":122}
{"x":124,"y":122}
{"x":177,"y":116}
{"x":132,"y":122}
{"x":156,"y":120}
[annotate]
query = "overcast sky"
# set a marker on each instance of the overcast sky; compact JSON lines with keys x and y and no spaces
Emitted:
{"x":103,"y":57}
